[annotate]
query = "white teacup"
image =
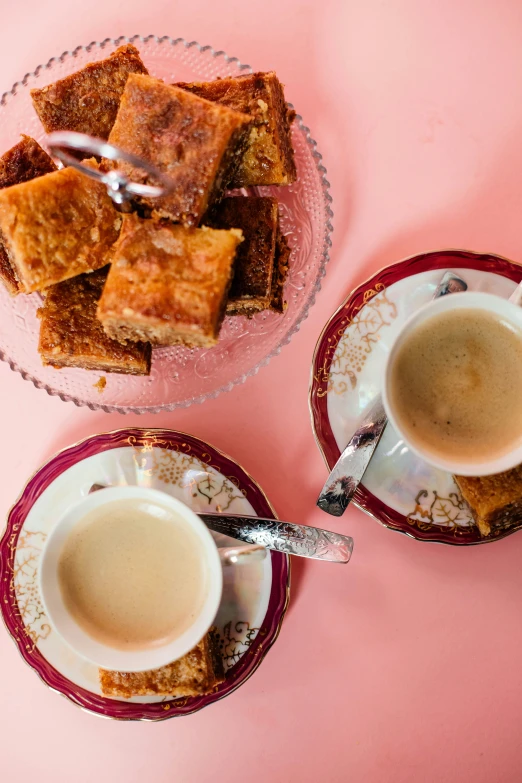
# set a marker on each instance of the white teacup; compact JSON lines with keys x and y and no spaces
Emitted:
{"x":116,"y":659}
{"x":489,"y":303}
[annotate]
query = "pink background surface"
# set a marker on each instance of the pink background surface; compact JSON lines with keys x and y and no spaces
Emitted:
{"x":404,"y":666}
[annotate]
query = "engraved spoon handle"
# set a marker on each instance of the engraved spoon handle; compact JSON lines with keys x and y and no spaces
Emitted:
{"x":287,"y":537}
{"x":349,"y":469}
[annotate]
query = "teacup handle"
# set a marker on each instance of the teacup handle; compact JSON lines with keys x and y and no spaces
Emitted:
{"x":242,"y":555}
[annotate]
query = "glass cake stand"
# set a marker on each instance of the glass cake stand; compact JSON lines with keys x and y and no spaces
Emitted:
{"x":179,"y":376}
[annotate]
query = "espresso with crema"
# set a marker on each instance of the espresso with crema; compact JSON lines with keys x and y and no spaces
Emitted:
{"x":132,"y":575}
{"x":456,"y":386}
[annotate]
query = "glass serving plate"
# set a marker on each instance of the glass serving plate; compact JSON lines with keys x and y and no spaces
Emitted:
{"x":179,"y":376}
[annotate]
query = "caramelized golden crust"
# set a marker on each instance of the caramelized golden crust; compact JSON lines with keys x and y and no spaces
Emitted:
{"x":196,"y":143}
{"x":57,"y":226}
{"x":72,"y":336}
{"x":495,"y":501}
{"x":269,"y":157}
{"x":258,"y":219}
{"x":197,"y":673}
{"x":23,"y":162}
{"x":168,"y":284}
{"x":87,"y":101}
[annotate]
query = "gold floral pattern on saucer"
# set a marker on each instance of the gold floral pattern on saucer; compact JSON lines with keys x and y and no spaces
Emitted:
{"x":357,"y":342}
{"x":433,"y":510}
{"x":25,"y":583}
{"x":255,"y":595}
{"x":398,"y":489}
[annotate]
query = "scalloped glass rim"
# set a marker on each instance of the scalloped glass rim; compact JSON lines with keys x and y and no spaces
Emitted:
{"x":311,"y":294}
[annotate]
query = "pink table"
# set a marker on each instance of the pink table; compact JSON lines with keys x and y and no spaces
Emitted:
{"x":404,"y":666}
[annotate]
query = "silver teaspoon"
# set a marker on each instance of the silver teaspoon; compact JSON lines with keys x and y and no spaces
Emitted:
{"x":286,"y":537}
{"x":349,"y":469}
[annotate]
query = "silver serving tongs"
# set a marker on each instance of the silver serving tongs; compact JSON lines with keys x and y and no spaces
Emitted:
{"x":120,"y":188}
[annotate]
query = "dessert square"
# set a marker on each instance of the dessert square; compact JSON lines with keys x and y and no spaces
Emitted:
{"x":196,"y":143}
{"x":196,"y":674}
{"x":23,"y":162}
{"x":7,"y":273}
{"x":87,"y":101}
{"x":495,"y":501}
{"x":269,"y":157}
{"x":261,"y":259}
{"x":277,"y":301}
{"x":168,"y":284}
{"x":72,"y":336}
{"x":57,"y":226}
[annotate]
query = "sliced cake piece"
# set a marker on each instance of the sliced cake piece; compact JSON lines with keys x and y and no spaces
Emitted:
{"x":7,"y":273}
{"x":57,"y":226}
{"x":168,"y":284}
{"x":269,"y":157}
{"x":261,"y":260}
{"x":72,"y":336}
{"x":283,"y":251}
{"x":23,"y":162}
{"x":196,"y":143}
{"x":196,"y":674}
{"x":495,"y":501}
{"x":87,"y":101}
